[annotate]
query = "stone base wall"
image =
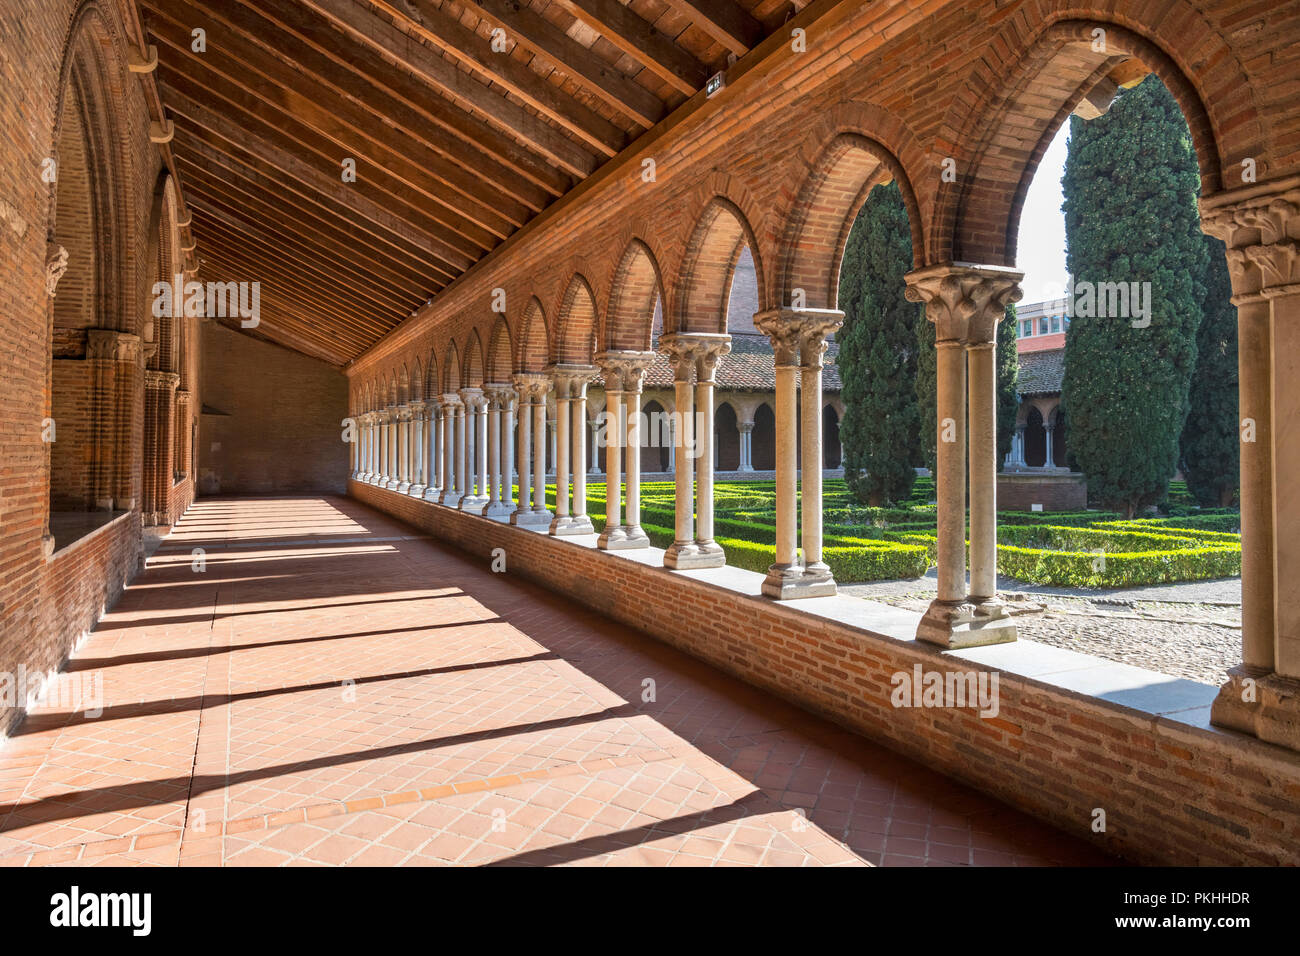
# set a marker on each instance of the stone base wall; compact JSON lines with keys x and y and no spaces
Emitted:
{"x":1020,"y":491}
{"x":1172,"y":792}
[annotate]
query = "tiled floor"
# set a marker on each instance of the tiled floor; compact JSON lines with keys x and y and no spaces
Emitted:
{"x":321,"y":685}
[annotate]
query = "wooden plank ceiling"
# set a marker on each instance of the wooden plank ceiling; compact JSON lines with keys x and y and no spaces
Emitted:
{"x":456,"y":144}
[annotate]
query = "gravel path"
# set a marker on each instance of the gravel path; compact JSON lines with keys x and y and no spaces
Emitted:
{"x":1190,"y":630}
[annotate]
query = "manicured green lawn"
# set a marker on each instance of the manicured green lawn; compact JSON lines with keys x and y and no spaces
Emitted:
{"x":1077,"y":549}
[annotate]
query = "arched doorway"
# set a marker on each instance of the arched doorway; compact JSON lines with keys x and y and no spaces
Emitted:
{"x":831,"y":452}
{"x":656,"y":448}
{"x":726,"y":438}
{"x":764,"y":438}
{"x":1035,"y":439}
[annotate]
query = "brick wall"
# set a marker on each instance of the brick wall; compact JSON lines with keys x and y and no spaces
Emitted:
{"x":1053,"y":492}
{"x":272,"y":422}
{"x":1172,"y":793}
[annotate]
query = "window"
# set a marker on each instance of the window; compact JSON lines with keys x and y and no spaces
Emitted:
{"x":1056,"y":323}
{"x":1026,"y":328}
{"x":1042,"y":326}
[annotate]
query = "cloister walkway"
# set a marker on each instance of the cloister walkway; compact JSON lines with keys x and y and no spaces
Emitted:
{"x":330,"y":687}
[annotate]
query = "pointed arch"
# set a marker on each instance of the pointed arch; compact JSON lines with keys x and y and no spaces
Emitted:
{"x":634,"y":291}
{"x":403,"y":385}
{"x":823,"y":213}
{"x":977,"y":219}
{"x":576,"y":332}
{"x":533,"y":338}
{"x":417,"y":381}
{"x":704,"y":284}
{"x":472,"y":369}
{"x":431,"y":379}
{"x":451,"y":374}
{"x":499,"y":363}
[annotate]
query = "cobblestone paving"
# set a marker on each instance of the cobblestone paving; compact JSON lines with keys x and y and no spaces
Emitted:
{"x":1193,"y":633}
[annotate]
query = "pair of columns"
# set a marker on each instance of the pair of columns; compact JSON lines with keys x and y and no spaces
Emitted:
{"x":799,"y":340}
{"x":531,"y":511}
{"x":624,"y":374}
{"x":570,"y":383}
{"x":1261,"y":226}
{"x":746,"y":446}
{"x":694,"y":357}
{"x":966,"y":303}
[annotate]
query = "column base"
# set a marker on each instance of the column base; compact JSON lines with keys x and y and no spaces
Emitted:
{"x":432,"y":493}
{"x":392,"y":484}
{"x":472,"y":504}
{"x":689,"y":557}
{"x":625,"y":538}
{"x":791,"y":582}
{"x":563,"y":525}
{"x":416,"y":491}
{"x":954,"y":624}
{"x":539,"y":521}
{"x":450,"y":498}
{"x":1268,"y":708}
{"x":499,"y":511}
{"x":403,"y":487}
{"x":611,"y":539}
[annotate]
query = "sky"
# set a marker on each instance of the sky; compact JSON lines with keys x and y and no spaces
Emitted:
{"x":1040,"y":251}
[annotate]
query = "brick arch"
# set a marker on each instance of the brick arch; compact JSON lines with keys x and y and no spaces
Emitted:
{"x":708,"y":265}
{"x":162,"y":322}
{"x":576,"y":325}
{"x":431,"y":376}
{"x":403,"y":385}
{"x":976,"y":218}
{"x":499,"y":363}
{"x":533,"y":351}
{"x":416,"y":390}
{"x":451,"y":373}
{"x":89,"y":102}
{"x":636,"y":285}
{"x":471,"y":373}
{"x":819,"y":220}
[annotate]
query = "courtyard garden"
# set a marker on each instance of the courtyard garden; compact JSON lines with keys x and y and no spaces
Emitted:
{"x":1088,"y":549}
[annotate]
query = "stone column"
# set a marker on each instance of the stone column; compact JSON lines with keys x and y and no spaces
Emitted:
{"x":571,"y":451}
{"x":498,"y":397}
{"x":541,"y":514}
{"x":693,"y":354}
{"x":634,"y":370}
{"x":593,"y":467}
{"x":474,"y":497}
{"x":420,"y":468}
{"x":982,"y":401}
{"x":1260,"y":224}
{"x":746,"y":446}
{"x":453,"y":464}
{"x":394,"y":448}
{"x":615,"y":431}
{"x":798,"y":339}
{"x":433,"y":450}
{"x":965,"y":303}
{"x":159,"y":445}
{"x":509,"y":398}
{"x":814,"y":332}
{"x":1048,"y":428}
{"x":706,"y":364}
{"x":403,"y":450}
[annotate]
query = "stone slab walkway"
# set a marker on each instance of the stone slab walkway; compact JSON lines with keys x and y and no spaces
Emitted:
{"x":320,"y":685}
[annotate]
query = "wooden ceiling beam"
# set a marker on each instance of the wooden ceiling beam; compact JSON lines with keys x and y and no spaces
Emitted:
{"x":461,"y":88}
{"x":600,"y":78}
{"x":312,"y":251}
{"x":724,"y":21}
{"x":270,"y":86}
{"x":466,"y":46}
{"x":639,"y":39}
{"x":362,"y":61}
{"x":366,"y":200}
{"x":338,"y":235}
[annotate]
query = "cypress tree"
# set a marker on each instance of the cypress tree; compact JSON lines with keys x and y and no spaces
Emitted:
{"x":1130,"y":187}
{"x":1008,"y":374}
{"x":1211,"y":461}
{"x":927,"y":400}
{"x":877,"y":355}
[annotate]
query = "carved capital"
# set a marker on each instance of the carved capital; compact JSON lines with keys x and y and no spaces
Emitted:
{"x":1260,"y":225}
{"x":499,"y":395}
{"x":571,"y":381}
{"x":160,"y":381}
{"x":56,"y":264}
{"x":799,"y":335}
{"x":694,"y":351}
{"x":624,"y":370}
{"x":965,"y":302}
{"x":472,"y":399}
{"x":183,"y":397}
{"x":531,"y":386}
{"x":110,"y":345}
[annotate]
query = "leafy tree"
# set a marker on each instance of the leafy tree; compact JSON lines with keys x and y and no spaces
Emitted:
{"x":1211,"y":461}
{"x":1130,"y":188}
{"x":1008,"y":373}
{"x":877,"y":355}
